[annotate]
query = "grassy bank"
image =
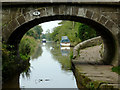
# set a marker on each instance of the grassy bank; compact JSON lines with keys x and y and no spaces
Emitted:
{"x":13,"y":63}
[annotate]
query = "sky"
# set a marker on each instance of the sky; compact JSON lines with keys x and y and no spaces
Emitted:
{"x":49,"y":25}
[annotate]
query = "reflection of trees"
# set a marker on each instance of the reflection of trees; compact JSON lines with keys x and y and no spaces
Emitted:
{"x":26,"y":73}
{"x":63,"y":60}
{"x":37,"y":53}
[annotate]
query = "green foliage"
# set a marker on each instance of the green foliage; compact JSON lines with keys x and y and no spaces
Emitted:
{"x":27,"y":46}
{"x":85,"y":32}
{"x":28,"y":42}
{"x":11,"y":64}
{"x":67,"y":28}
{"x":6,"y":54}
{"x":75,"y":31}
{"x":116,"y":69}
{"x":43,"y":36}
{"x":71,"y":55}
{"x":92,"y":86}
{"x":47,"y":36}
{"x":35,"y":32}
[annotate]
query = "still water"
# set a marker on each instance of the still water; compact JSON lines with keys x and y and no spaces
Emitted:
{"x":50,"y":67}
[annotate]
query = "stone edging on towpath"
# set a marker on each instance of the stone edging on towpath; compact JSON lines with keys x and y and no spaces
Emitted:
{"x":88,"y":43}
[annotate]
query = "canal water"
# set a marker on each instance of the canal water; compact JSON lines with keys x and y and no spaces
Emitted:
{"x":50,"y":67}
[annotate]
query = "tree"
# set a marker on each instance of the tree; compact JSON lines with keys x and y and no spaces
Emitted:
{"x":85,"y":32}
{"x":35,"y":32}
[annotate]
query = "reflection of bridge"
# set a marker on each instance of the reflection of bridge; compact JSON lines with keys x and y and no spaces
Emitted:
{"x":18,"y":18}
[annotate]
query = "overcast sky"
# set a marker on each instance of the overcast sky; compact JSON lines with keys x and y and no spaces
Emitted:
{"x":49,"y":25}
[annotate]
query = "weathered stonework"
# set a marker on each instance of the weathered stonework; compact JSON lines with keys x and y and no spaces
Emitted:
{"x":103,"y":18}
{"x":88,"y":43}
{"x":21,"y":19}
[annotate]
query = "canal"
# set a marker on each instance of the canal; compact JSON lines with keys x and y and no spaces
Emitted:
{"x":50,"y":67}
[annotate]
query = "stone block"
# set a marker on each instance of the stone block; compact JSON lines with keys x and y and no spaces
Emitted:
{"x":68,"y":10}
{"x":27,"y":17}
{"x":81,"y":12}
{"x":103,"y":19}
{"x":115,"y":29}
{"x":62,"y":10}
{"x":21,"y":19}
{"x":109,"y":86}
{"x":49,"y":11}
{"x":75,"y":11}
{"x":24,"y":11}
{"x":89,"y":14}
{"x":13,"y":25}
{"x":56,"y":10}
{"x":96,"y":17}
{"x":113,"y":16}
{"x":108,"y":9}
{"x":109,"y":24}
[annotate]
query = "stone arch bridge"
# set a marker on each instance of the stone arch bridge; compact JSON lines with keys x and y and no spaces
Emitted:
{"x":18,"y":18}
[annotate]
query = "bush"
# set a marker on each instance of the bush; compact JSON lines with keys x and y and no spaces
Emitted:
{"x":27,"y":46}
{"x":11,"y":64}
{"x":85,"y":32}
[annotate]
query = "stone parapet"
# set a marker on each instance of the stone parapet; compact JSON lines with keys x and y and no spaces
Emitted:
{"x":88,"y":43}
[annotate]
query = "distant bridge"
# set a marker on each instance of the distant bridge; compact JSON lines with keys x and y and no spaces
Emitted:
{"x":19,"y":17}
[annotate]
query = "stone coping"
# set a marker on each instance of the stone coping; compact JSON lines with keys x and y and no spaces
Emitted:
{"x":87,"y":43}
{"x":20,"y":2}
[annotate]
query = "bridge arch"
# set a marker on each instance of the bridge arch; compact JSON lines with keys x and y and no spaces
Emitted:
{"x":107,"y":28}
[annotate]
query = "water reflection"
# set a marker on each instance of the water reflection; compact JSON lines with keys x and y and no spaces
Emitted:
{"x":48,"y":69}
{"x":43,"y":44}
{"x":38,"y":52}
{"x":62,"y":54}
{"x":26,"y":73}
{"x":65,"y":51}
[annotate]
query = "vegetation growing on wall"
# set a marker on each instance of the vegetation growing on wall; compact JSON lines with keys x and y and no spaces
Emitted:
{"x":116,"y":69}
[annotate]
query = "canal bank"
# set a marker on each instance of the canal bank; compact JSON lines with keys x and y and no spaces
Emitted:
{"x":91,"y":74}
{"x":95,"y":76}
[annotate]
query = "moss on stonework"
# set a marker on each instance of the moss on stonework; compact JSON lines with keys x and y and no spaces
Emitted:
{"x":85,"y":82}
{"x":106,"y":86}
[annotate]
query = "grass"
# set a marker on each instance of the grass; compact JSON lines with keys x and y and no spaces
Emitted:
{"x":116,"y":69}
